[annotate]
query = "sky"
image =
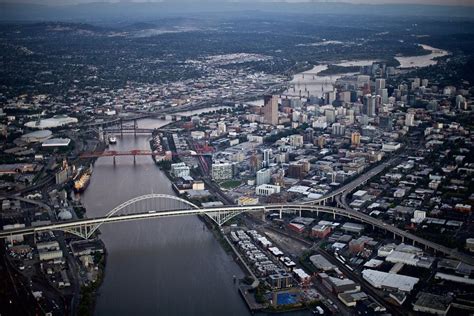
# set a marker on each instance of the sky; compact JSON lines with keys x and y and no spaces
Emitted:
{"x":429,"y":2}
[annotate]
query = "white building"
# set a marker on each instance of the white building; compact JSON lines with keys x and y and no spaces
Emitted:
{"x":221,"y":128}
{"x":267,"y":154}
{"x":263,"y":176}
{"x":338,"y":129}
{"x":222,"y":171}
{"x":418,"y":217}
{"x":296,"y":140}
{"x":198,"y":134}
{"x":320,"y":123}
{"x":267,"y":189}
{"x":389,"y":281}
{"x":45,"y":255}
{"x":399,"y":193}
{"x":56,"y":142}
{"x":180,"y":170}
{"x":410,"y":119}
{"x":55,"y":121}
{"x":391,"y":146}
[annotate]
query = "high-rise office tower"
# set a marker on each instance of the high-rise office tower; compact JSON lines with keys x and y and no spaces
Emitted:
{"x":369,"y":105}
{"x":372,"y":106}
{"x":379,"y":85}
{"x":386,"y":122}
{"x":330,"y":115}
{"x":338,"y":129}
{"x":355,"y":138}
{"x":384,"y":95}
{"x":270,"y":109}
{"x":267,"y":153}
{"x":409,"y":119}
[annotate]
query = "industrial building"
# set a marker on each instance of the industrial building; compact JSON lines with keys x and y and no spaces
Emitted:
{"x":432,"y":304}
{"x":321,"y":263}
{"x":337,"y":285}
{"x":353,"y":227}
{"x":389,"y":281}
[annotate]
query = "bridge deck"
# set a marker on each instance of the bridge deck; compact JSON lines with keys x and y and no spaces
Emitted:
{"x":239,"y":209}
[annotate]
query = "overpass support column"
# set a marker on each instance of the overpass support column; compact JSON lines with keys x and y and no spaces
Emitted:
{"x":114,"y":160}
{"x":134,"y":159}
{"x":403,"y":239}
{"x":263,"y":215}
{"x":281,"y":212}
{"x":121,"y":128}
{"x":300,"y":211}
{"x":135,"y":127}
{"x":333,"y":214}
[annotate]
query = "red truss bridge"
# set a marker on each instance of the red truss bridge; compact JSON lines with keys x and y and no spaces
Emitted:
{"x":135,"y":153}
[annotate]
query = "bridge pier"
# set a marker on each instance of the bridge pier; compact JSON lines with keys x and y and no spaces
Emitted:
{"x":134,"y":159}
{"x":135,"y":127}
{"x":114,"y":160}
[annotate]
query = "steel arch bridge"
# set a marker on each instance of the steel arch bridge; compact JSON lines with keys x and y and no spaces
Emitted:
{"x":161,"y":205}
{"x":149,"y":206}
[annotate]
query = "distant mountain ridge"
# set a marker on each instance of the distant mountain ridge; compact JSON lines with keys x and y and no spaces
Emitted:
{"x":104,"y":12}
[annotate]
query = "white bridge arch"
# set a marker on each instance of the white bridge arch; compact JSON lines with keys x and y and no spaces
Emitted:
{"x":218,"y":215}
{"x":84,"y":228}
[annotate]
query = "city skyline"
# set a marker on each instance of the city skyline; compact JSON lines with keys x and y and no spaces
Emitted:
{"x":370,"y":2}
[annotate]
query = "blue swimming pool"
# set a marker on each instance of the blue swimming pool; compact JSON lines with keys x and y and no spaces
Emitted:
{"x":286,"y":299}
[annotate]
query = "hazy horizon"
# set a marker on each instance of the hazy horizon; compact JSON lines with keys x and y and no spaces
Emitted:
{"x":369,"y":2}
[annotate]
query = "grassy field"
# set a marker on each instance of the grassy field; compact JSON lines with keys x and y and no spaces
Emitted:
{"x":230,"y":184}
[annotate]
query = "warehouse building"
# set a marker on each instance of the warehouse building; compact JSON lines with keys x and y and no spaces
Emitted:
{"x":353,"y":227}
{"x":321,"y":263}
{"x":432,"y":304}
{"x":337,"y":285}
{"x":389,"y":281}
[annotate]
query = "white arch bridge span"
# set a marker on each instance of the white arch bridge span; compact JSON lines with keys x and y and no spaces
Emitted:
{"x":161,"y":205}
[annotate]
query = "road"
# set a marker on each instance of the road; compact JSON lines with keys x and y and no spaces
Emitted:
{"x":74,"y":272}
{"x":356,"y":182}
{"x":347,"y":189}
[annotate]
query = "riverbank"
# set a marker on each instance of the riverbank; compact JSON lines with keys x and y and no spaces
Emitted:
{"x":151,"y":254}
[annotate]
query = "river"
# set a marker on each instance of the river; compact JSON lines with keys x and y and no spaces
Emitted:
{"x":424,"y":60}
{"x":310,"y":83}
{"x":170,"y":266}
